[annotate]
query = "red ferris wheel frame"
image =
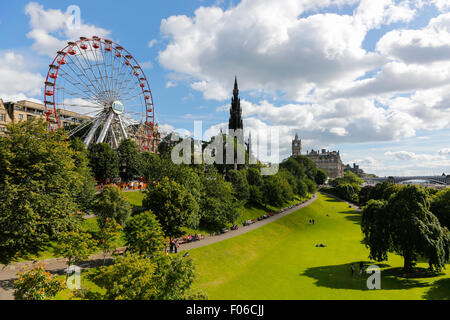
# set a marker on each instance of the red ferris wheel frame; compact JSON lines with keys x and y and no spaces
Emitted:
{"x":120,"y":52}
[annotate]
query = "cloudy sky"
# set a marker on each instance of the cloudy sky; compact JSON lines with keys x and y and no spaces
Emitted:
{"x":368,"y":78}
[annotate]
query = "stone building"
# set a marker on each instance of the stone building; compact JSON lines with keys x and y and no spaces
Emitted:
{"x":329,"y":161}
{"x":296,"y":146}
{"x":28,"y":110}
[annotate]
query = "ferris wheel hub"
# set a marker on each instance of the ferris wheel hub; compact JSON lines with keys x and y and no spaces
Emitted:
{"x":117,"y":107}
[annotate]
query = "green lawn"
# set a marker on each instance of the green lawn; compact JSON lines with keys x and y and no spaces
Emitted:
{"x":135,"y":198}
{"x":280,"y":261}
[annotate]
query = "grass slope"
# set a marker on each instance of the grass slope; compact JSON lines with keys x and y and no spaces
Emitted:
{"x":280,"y":261}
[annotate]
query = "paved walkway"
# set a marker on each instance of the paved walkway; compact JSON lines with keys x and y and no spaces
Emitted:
{"x":8,"y":274}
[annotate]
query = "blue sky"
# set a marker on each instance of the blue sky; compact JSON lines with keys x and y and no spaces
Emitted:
{"x":368,"y":78}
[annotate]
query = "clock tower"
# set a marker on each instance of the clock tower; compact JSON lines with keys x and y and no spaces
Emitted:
{"x":296,"y":146}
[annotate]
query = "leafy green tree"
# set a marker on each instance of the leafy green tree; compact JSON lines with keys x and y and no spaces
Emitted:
{"x":108,"y":236}
{"x":131,"y":277}
{"x":173,"y":205}
{"x":440,"y":206}
{"x":254,"y":177}
{"x":240,"y":185}
{"x":348,"y":178}
{"x":376,"y":230}
{"x":39,"y":188}
{"x":130,"y":160}
{"x":294,"y":166}
{"x":321,"y":177}
{"x":144,"y":235}
{"x":87,"y":188}
{"x":302,"y":188}
{"x":312,"y":188}
{"x":348,"y":191}
{"x":75,"y":246}
{"x":274,"y":190}
{"x":365,"y":195}
{"x":407,"y":228}
{"x":218,"y":205}
{"x":175,"y":276}
{"x":36,"y":284}
{"x":104,"y":162}
{"x":110,"y":203}
{"x":308,"y":165}
{"x":256,"y":196}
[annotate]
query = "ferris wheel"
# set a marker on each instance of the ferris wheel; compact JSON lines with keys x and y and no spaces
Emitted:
{"x":97,"y":91}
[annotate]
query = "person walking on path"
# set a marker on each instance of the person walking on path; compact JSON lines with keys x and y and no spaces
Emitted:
{"x":352,"y":268}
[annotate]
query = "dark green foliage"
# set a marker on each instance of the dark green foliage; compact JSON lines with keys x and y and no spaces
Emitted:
{"x":440,"y":206}
{"x":348,"y":178}
{"x":376,"y":230}
{"x":144,"y":235}
{"x":104,"y":162}
{"x":88,"y":188}
{"x":254,"y":177}
{"x":219,"y":207}
{"x":175,"y":276}
{"x":39,"y":188}
{"x":161,"y":277}
{"x":309,"y":166}
{"x":130,"y":160}
{"x":256,"y":196}
{"x":312,"y":188}
{"x":274,"y":190}
{"x":173,"y":205}
{"x":110,"y":203}
{"x":240,"y":185}
{"x":365,"y":195}
{"x":321,"y":177}
{"x":406,"y":226}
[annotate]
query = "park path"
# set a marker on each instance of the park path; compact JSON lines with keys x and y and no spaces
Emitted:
{"x":8,"y":274}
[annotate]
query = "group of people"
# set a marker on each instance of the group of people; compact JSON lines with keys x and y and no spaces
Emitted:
{"x":361,"y":268}
{"x":312,"y":221}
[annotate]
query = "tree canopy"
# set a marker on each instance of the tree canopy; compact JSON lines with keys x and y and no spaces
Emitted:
{"x":405,"y":225}
{"x":39,"y":188}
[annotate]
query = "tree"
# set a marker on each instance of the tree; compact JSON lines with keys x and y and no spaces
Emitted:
{"x":240,"y":185}
{"x":39,"y":188}
{"x":130,"y":160}
{"x":108,"y":236}
{"x":87,"y":187}
{"x":308,"y":165}
{"x":131,"y":277}
{"x":36,"y":284}
{"x":440,"y":206}
{"x":348,"y":178}
{"x":173,"y":205}
{"x":104,"y":162}
{"x":256,"y":196}
{"x":312,"y":188}
{"x":144,"y":235}
{"x":175,"y":275}
{"x":274,"y":190}
{"x":218,"y":205}
{"x":254,"y":177}
{"x":406,"y":226}
{"x":75,"y":246}
{"x":321,"y":177}
{"x":110,"y":203}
